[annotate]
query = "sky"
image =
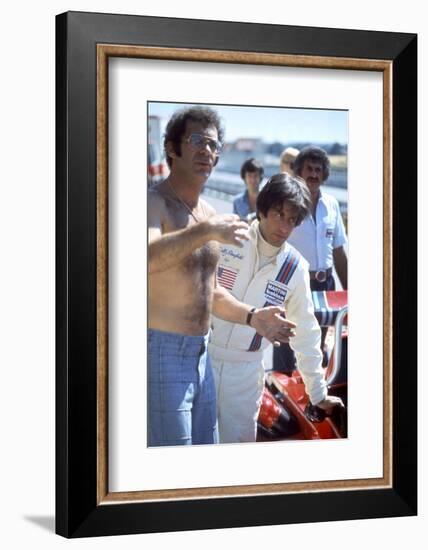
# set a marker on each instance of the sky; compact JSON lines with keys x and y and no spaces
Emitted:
{"x":274,"y":124}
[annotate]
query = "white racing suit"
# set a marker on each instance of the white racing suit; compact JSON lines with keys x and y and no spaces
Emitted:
{"x":236,"y":350}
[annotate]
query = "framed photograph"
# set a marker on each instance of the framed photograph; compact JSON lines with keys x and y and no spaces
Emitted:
{"x":118,"y":80}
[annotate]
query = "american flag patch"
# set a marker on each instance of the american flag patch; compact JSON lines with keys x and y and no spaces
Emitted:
{"x":226,"y":276}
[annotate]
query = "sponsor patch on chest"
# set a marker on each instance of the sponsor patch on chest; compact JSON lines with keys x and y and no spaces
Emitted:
{"x":276,"y":292}
{"x":329,"y":233}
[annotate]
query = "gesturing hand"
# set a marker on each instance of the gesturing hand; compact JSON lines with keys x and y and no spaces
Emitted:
{"x":270,"y":323}
{"x":228,"y":229}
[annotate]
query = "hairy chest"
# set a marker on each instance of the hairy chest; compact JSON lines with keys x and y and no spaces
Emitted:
{"x":203,"y":260}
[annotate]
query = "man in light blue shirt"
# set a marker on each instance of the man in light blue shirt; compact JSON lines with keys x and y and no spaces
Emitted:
{"x":244,"y":204}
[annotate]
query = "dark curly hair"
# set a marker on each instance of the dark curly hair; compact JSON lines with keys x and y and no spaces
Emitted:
{"x":176,"y":126}
{"x":282,"y":188}
{"x":314,"y":154}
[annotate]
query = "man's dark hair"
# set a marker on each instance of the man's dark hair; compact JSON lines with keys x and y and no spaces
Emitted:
{"x":176,"y":126}
{"x":313,"y":154}
{"x":282,"y":188}
{"x":252,"y":165}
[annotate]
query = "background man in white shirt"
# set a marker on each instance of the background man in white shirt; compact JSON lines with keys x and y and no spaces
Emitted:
{"x":321,"y":237}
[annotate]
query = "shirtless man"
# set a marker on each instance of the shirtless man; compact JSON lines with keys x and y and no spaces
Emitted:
{"x":184,"y":233}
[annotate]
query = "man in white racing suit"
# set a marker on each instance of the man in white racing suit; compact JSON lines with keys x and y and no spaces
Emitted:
{"x":266,"y":271}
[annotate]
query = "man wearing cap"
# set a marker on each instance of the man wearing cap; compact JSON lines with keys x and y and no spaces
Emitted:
{"x":283,"y":358}
{"x":286,"y":160}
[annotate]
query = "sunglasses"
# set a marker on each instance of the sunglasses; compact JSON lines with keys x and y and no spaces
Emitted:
{"x":199,"y":141}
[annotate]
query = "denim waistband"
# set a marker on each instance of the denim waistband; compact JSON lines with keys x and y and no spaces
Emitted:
{"x":180,"y":342}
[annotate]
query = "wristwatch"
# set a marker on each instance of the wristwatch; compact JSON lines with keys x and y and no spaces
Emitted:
{"x":250,"y":315}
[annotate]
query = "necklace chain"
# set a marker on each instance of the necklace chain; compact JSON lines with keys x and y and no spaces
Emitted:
{"x":186,"y":206}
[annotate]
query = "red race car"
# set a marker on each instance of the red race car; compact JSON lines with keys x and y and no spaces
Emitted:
{"x":286,"y":412}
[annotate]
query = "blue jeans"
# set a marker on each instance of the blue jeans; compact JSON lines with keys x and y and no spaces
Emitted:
{"x":181,"y":391}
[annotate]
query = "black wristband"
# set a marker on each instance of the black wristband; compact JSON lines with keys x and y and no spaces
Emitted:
{"x":250,"y":315}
